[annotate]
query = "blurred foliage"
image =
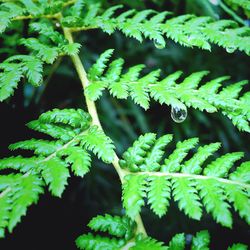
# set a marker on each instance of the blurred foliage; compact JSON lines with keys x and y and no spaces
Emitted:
{"x":123,"y":121}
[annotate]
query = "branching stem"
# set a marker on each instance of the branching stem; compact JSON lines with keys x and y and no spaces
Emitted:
{"x":93,"y":112}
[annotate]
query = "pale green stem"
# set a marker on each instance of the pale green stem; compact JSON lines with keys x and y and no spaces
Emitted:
{"x":231,"y":13}
{"x":33,"y":17}
{"x":93,"y":112}
{"x":194,"y":176}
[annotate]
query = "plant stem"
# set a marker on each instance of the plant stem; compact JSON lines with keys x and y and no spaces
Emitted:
{"x":195,"y":176}
{"x":231,"y":13}
{"x":93,"y":112}
{"x":43,"y":87}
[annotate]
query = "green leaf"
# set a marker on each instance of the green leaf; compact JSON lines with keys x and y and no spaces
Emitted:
{"x":238,"y":246}
{"x":75,"y":118}
{"x":214,"y":188}
{"x":177,"y":242}
{"x":40,"y":147}
{"x":55,"y":174}
{"x":147,"y":243}
{"x":185,"y":193}
{"x":114,"y":225}
{"x":201,"y":241}
{"x":190,"y":92}
{"x":71,"y":49}
{"x":153,"y":158}
{"x":134,"y":190}
{"x":23,"y":196}
{"x":79,"y":158}
{"x":89,"y":242}
{"x":101,"y":145}
{"x":193,"y":165}
{"x":98,"y":68}
{"x":173,"y":162}
{"x":134,"y":156}
{"x":159,"y":194}
{"x":215,"y":201}
{"x":9,"y":80}
{"x":222,"y":165}
{"x":4,"y":213}
{"x":242,"y":173}
{"x":240,"y":200}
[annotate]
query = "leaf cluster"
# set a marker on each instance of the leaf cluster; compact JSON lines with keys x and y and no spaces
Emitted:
{"x":210,"y":96}
{"x":124,"y":236}
{"x":216,"y":186}
{"x":188,"y":30}
{"x":45,"y":49}
{"x":73,"y":139}
{"x":26,"y":9}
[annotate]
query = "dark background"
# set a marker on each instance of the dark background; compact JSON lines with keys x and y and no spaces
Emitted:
{"x":55,"y":223}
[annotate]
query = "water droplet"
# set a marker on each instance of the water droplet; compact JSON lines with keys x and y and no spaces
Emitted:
{"x":230,"y":49}
{"x":214,"y":2}
{"x":179,"y":113}
{"x":159,"y":45}
{"x":247,"y":22}
{"x":189,"y":238}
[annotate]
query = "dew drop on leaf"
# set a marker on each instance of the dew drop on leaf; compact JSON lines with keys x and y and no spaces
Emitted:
{"x":230,"y":49}
{"x":179,"y":113}
{"x":247,"y":22}
{"x":159,"y":45}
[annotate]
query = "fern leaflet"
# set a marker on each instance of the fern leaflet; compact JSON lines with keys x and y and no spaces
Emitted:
{"x":168,"y":91}
{"x":74,"y":137}
{"x":126,"y":237}
{"x":16,"y":67}
{"x":190,"y":184}
{"x":187,"y":30}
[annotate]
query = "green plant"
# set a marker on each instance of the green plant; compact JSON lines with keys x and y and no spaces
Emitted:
{"x":148,"y":173}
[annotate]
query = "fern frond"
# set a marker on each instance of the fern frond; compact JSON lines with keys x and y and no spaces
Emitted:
{"x":134,"y":191}
{"x":245,"y":4}
{"x":74,"y":137}
{"x":101,"y":145}
{"x":44,"y":52}
{"x":17,"y":193}
{"x":57,"y":44}
{"x":177,"y":242}
{"x":114,"y":225}
{"x":9,"y":80}
{"x":189,"y":182}
{"x":27,"y":9}
{"x":32,"y":7}
{"x":121,"y":227}
{"x":201,"y":241}
{"x":31,"y":66}
{"x":79,"y":158}
{"x":91,"y":242}
{"x":55,"y":173}
{"x":40,"y":147}
{"x":147,"y":243}
{"x":238,"y":246}
{"x":141,"y":145}
{"x":159,"y":194}
{"x":8,"y":11}
{"x":168,"y":91}
{"x":187,"y":30}
{"x":14,"y":68}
